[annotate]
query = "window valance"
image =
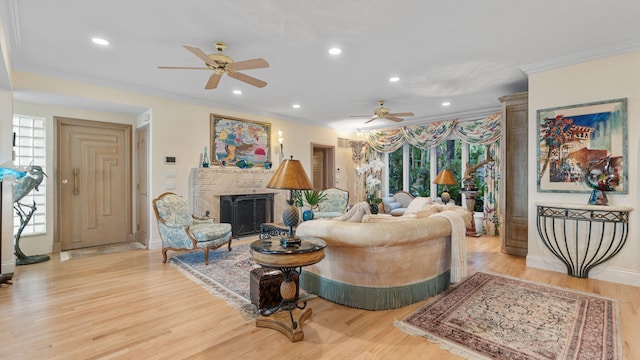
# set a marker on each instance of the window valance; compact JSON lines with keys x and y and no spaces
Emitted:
{"x":482,"y":132}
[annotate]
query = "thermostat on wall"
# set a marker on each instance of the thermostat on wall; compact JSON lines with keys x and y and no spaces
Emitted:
{"x":171,"y":160}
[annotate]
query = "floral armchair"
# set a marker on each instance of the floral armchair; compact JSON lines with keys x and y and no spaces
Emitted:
{"x":334,"y":205}
{"x":181,"y":231}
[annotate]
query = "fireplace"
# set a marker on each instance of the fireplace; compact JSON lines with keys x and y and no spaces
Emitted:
{"x":242,"y":188}
{"x":246,"y":213}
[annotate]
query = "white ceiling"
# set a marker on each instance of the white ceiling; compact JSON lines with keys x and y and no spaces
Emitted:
{"x":468,"y":52}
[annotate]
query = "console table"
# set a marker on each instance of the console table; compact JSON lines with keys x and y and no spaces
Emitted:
{"x":583,"y":236}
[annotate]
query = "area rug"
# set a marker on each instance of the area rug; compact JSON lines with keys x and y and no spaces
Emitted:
{"x":495,"y":317}
{"x":226,"y":276}
{"x":100,"y":250}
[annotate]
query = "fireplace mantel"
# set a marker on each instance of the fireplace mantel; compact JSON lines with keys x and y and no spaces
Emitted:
{"x":206,"y":185}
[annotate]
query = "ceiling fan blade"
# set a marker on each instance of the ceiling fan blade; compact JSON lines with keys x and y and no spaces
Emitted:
{"x":214,"y":79}
{"x":248,"y":64}
{"x":370,"y":120}
{"x":359,"y":115}
{"x":199,"y":53}
{"x":248,"y":79}
{"x":401,"y":114}
{"x":183,"y":67}
{"x":393,"y":118}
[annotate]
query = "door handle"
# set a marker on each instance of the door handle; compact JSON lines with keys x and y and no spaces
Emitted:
{"x":75,"y":181}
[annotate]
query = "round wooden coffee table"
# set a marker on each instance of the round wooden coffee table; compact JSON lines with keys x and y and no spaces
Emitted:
{"x":272,"y":253}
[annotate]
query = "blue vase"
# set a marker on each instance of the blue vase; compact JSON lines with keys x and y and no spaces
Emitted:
{"x":307,"y":215}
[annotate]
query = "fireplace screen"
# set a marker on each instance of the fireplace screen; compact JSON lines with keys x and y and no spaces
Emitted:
{"x":246,"y":213}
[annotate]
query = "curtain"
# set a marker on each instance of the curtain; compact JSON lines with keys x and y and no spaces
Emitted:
{"x":428,"y":136}
{"x":480,"y":132}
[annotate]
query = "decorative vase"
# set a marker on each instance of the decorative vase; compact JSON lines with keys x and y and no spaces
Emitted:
{"x":268,"y":165}
{"x":307,"y":215}
{"x":373,"y":208}
{"x":205,"y":159}
{"x":598,"y":197}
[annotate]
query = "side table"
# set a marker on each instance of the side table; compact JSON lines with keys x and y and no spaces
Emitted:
{"x":272,"y":254}
{"x":583,"y":236}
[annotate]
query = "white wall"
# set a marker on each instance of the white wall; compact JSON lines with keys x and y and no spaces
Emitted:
{"x":176,"y":129}
{"x":605,"y":79}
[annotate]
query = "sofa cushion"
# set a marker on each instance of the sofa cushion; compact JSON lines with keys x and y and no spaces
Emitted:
{"x":356,"y":213}
{"x":429,"y":210}
{"x":417,"y":204}
{"x":398,"y":211}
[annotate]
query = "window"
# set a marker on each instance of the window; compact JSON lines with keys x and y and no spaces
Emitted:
{"x":449,"y":156}
{"x":30,"y":146}
{"x":419,"y":171}
{"x":395,"y":171}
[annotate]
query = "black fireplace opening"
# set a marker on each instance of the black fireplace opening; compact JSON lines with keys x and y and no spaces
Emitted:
{"x":246,"y":213}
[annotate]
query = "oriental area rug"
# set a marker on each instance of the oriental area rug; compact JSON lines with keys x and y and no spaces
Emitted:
{"x":495,"y":317}
{"x":227,"y":275}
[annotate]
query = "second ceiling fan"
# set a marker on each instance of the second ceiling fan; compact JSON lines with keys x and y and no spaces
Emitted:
{"x":223,"y":64}
{"x":383,"y":113}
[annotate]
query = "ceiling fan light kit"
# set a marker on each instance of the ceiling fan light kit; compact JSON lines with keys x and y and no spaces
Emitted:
{"x":222,"y":64}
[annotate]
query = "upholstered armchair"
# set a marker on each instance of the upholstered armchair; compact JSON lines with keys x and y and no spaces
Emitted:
{"x":334,"y":205}
{"x":181,"y":231}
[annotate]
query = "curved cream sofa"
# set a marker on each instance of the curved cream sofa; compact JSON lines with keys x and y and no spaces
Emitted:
{"x":384,"y":263}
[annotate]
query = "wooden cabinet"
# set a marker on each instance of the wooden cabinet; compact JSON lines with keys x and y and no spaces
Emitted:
{"x":514,"y":177}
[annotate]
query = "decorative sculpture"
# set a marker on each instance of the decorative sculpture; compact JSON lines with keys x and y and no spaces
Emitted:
{"x":21,"y":188}
{"x":599,"y":176}
{"x":469,"y":189}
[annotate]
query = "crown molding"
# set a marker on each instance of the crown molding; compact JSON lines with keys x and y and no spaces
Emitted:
{"x":582,"y":56}
{"x":9,"y":12}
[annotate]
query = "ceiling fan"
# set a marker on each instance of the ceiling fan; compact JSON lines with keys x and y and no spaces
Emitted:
{"x":383,"y":113}
{"x":223,"y":64}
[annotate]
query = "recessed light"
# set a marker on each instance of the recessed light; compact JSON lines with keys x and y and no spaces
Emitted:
{"x":394,"y":79}
{"x":446,"y":103}
{"x":237,"y":92}
{"x":296,"y":106}
{"x":335,"y":51}
{"x":100,"y":41}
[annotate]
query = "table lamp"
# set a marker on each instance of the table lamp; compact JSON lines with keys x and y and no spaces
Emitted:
{"x":290,"y":176}
{"x":445,"y":177}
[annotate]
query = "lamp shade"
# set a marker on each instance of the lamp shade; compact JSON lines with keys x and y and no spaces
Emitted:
{"x":445,"y":177}
{"x":291,"y":176}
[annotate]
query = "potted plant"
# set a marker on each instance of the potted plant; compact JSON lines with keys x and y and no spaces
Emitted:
{"x":313,"y":198}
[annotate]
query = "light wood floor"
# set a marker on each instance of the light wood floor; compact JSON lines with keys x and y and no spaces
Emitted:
{"x":131,"y":306}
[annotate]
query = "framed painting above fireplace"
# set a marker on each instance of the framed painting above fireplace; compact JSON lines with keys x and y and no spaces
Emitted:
{"x":236,"y":140}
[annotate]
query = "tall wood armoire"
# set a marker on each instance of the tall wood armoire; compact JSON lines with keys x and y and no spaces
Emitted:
{"x":513,"y":211}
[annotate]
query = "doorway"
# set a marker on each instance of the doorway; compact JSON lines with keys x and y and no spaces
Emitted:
{"x":323,"y":165}
{"x":94,"y":187}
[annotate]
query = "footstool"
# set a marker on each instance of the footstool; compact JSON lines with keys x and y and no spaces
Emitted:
{"x":264,"y":287}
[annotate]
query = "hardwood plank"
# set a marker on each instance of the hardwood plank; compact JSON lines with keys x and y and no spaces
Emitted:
{"x":131,"y":306}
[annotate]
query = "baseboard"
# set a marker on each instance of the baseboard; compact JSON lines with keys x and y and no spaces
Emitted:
{"x":155,"y":244}
{"x":620,"y":276}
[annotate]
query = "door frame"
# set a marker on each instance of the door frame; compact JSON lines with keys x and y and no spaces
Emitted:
{"x":58,"y":121}
{"x":142,"y":208}
{"x":328,"y":165}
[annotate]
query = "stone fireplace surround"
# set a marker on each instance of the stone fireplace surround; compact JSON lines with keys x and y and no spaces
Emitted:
{"x":207,"y":185}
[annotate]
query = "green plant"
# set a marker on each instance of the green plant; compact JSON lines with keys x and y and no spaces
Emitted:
{"x":314,"y":197}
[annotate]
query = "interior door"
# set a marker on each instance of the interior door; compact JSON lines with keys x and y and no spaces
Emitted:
{"x":142,"y":203}
{"x":94,"y":183}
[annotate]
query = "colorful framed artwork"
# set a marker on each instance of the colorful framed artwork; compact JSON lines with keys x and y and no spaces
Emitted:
{"x":238,"y":141}
{"x":581,"y":145}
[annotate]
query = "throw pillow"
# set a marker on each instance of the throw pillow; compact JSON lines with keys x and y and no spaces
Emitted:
{"x":417,"y":204}
{"x":356,"y":213}
{"x":429,"y":210}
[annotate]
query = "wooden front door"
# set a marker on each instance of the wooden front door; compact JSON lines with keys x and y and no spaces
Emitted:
{"x":94,"y":183}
